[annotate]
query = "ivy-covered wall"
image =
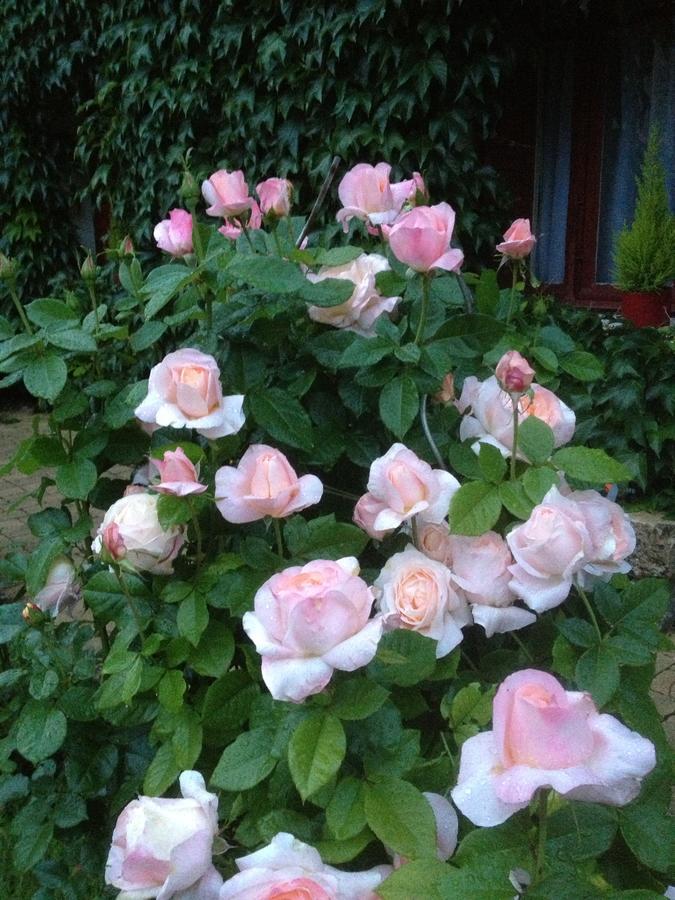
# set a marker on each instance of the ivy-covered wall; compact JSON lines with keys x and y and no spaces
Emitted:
{"x":103,"y":100}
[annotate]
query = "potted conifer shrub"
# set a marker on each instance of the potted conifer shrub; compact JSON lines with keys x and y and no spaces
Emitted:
{"x":644,"y":256}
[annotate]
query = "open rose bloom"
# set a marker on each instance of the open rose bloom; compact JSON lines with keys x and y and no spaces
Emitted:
{"x":518,"y":240}
{"x":227,"y":194}
{"x":263,"y":484}
{"x":275,"y":196}
{"x":488,"y":410}
{"x":544,"y":736}
{"x":184,"y":391}
{"x":287,"y":869}
{"x":421,"y":239}
{"x":366,"y":193}
{"x":161,"y":847}
{"x":310,"y":620}
{"x":362,"y":310}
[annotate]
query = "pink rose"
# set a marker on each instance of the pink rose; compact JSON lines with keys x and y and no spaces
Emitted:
{"x":447,"y":392}
{"x":436,"y":543}
{"x":233,"y":227}
{"x":113,"y":542}
{"x":416,"y":593}
{"x":226,"y":193}
{"x":612,"y":537}
{"x":263,"y":484}
{"x":367,"y":509}
{"x":361,"y":311}
{"x":549,"y":549}
{"x":162,"y":847}
{"x":491,"y":417}
{"x":131,"y":529}
{"x":366,"y":193}
{"x":447,"y":828}
{"x":544,"y":736}
{"x":404,"y":486}
{"x":421,"y":239}
{"x":184,"y":391}
{"x":60,"y":589}
{"x":514,"y":373}
{"x":177,"y":474}
{"x":174,"y":235}
{"x":480,"y":567}
{"x":275,"y":196}
{"x":309,"y":620}
{"x":287,"y":869}
{"x":518,"y":240}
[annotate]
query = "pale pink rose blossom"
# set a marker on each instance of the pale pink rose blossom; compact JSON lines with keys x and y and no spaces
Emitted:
{"x":161,"y":847}
{"x":612,"y":536}
{"x":491,"y":418}
{"x":174,"y":235}
{"x":61,"y":589}
{"x":364,"y":307}
{"x":367,"y":509}
{"x":514,"y":373}
{"x":226,"y":193}
{"x":310,"y":620}
{"x":544,"y":736}
{"x":131,"y":529}
{"x":178,"y":474}
{"x":263,"y":484}
{"x":518,"y":240}
{"x":480,"y":567}
{"x":288,"y":868}
{"x":435,"y":542}
{"x":406,"y":486}
{"x":233,"y":226}
{"x":412,"y":191}
{"x":275,"y":196}
{"x":549,"y":549}
{"x":417,"y":593}
{"x":184,"y":391}
{"x":366,"y":193}
{"x":421,"y":239}
{"x":447,"y":828}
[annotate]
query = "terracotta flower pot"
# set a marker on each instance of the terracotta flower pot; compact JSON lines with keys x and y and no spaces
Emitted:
{"x":645,"y":309}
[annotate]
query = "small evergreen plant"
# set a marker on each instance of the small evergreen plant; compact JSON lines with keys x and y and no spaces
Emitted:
{"x":644,"y":256}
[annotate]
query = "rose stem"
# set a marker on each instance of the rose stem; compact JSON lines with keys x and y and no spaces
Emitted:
{"x":280,"y":540}
{"x":589,"y":608}
{"x":426,"y":281}
{"x":427,"y":432}
{"x":319,"y":200}
{"x":514,"y":450}
{"x":541,"y":842}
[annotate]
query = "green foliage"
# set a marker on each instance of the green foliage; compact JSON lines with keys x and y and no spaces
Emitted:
{"x":644,"y":256}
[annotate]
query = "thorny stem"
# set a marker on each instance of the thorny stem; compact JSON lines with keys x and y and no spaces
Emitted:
{"x":427,"y":432}
{"x":589,"y":609}
{"x":319,"y":200}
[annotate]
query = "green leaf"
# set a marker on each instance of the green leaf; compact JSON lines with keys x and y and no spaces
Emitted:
{"x":597,"y":672}
{"x":88,"y":773}
{"x":487,"y":293}
{"x":471,"y":704}
{"x":578,"y":632}
{"x":419,"y":878}
{"x":186,"y":739}
{"x":192,"y":618}
{"x":403,"y":657}
{"x":492,"y":463}
{"x":72,"y":339}
{"x":213,"y":654}
{"x":365,"y":352}
{"x":485,"y":330}
{"x":649,"y":833}
{"x":50,"y":314}
{"x":485,"y":858}
{"x":171,"y":689}
{"x":32,"y":845}
{"x":338,"y":256}
{"x":515,"y":499}
{"x":45,"y":377}
{"x":162,"y":772}
{"x":399,"y":405}
{"x":76,"y":479}
{"x":464,"y":461}
{"x":546,"y":358}
{"x":324,"y":538}
{"x":389,"y":284}
{"x":41,"y":560}
{"x":580,"y":831}
{"x":147,"y":335}
{"x":246,"y":762}
{"x":328,"y":292}
{"x":475,"y":508}
{"x":538,"y":481}
{"x":173,"y":510}
{"x":315,"y":752}
{"x":535,"y":440}
{"x":582,"y":365}
{"x":41,"y":730}
{"x":268,"y":273}
{"x":357,"y":698}
{"x":345,"y":813}
{"x":283,"y":417}
{"x":43,"y":683}
{"x":593,"y":466}
{"x":401,"y":818}
{"x":162,"y":284}
{"x":227,"y":704}
{"x":338,"y":852}
{"x":104,"y":595}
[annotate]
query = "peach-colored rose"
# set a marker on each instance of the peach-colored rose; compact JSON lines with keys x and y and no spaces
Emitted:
{"x":310,"y":620}
{"x":544,"y":736}
{"x":417,"y":593}
{"x":287,"y":869}
{"x":184,"y":391}
{"x":130,"y":529}
{"x":518,"y":240}
{"x":362,"y":310}
{"x":436,"y":543}
{"x":491,"y":418}
{"x":366,"y":193}
{"x":174,"y":235}
{"x":275,"y":196}
{"x":404,"y":486}
{"x":233,"y":226}
{"x":226,"y":193}
{"x":447,"y":392}
{"x":178,"y":474}
{"x":263,"y":484}
{"x":421,"y":239}
{"x":514,"y":373}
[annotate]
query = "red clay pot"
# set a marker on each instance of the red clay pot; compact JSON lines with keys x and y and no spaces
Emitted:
{"x":645,"y":309}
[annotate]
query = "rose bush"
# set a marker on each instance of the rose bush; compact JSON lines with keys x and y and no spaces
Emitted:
{"x":209,"y":439}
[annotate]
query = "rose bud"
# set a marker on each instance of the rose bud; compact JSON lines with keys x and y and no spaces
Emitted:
{"x":514,"y":373}
{"x":518,"y":240}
